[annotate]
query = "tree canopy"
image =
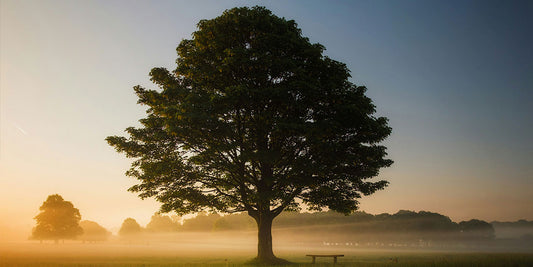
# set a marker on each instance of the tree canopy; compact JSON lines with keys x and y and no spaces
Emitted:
{"x":92,"y":231}
{"x":477,"y":228}
{"x":58,"y":220}
{"x":129,"y":228}
{"x":255,"y":118}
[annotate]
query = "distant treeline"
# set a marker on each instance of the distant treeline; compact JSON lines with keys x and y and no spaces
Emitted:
{"x":520,"y":229}
{"x":401,"y":226}
{"x":58,"y":219}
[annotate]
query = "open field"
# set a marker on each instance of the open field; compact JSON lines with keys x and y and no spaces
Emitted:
{"x":146,"y":254}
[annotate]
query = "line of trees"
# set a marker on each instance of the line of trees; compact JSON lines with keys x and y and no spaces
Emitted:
{"x":403,"y":221}
{"x":521,"y":229}
{"x":60,"y":220}
{"x":421,"y":224}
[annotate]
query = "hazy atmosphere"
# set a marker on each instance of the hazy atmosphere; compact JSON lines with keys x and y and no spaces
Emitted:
{"x":454,"y":79}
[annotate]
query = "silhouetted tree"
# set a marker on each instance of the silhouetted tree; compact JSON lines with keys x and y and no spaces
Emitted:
{"x":92,"y":231}
{"x":253,"y":118}
{"x":161,"y":223}
{"x":477,"y":229}
{"x":58,"y":220}
{"x":129,"y":228}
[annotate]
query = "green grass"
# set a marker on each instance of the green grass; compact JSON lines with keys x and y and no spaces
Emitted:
{"x":350,"y":259}
{"x":202,"y":252}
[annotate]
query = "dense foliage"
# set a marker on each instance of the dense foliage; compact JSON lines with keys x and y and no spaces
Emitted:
{"x":255,"y":118}
{"x":58,"y":220}
{"x":403,"y":221}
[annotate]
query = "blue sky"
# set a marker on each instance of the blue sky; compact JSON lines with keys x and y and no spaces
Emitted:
{"x":455,"y":79}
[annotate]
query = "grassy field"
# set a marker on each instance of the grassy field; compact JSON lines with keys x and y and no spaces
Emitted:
{"x":151,"y":255}
{"x":372,"y":259}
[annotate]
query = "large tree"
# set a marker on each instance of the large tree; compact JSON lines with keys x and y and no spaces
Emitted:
{"x":58,"y":220}
{"x":255,"y":119}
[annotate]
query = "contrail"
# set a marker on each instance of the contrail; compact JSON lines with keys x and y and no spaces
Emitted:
{"x":20,"y":129}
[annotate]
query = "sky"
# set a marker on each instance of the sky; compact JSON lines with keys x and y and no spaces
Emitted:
{"x":455,"y":79}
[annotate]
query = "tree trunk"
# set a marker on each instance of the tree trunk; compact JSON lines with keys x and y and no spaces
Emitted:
{"x":264,"y":238}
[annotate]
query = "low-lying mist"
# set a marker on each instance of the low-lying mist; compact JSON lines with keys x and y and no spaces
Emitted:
{"x":307,"y":238}
{"x":301,"y":233}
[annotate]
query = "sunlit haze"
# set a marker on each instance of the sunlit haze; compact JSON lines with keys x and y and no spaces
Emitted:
{"x":455,"y":79}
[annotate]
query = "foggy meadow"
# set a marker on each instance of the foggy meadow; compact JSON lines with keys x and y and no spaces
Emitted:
{"x":271,"y":133}
{"x":406,"y":237}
